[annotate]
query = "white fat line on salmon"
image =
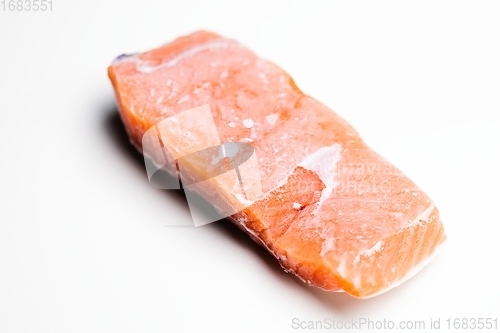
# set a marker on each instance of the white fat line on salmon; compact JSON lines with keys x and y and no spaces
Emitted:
{"x":412,"y":272}
{"x":327,"y":245}
{"x":211,"y":45}
{"x":369,"y":252}
{"x":323,"y":162}
{"x":424,"y":216}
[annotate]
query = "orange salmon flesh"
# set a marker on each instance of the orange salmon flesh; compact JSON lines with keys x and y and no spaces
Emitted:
{"x":330,"y":209}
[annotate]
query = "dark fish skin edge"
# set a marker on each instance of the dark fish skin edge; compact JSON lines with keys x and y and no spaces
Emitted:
{"x":124,"y":55}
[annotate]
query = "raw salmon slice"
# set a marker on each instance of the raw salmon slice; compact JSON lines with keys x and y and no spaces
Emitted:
{"x":330,"y":209}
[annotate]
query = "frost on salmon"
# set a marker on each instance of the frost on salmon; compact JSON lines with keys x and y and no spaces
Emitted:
{"x":330,"y":209}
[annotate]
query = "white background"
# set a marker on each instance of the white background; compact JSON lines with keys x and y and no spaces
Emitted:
{"x":83,"y":242}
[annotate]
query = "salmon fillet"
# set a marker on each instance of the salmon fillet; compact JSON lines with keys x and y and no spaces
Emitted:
{"x":330,"y":209}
